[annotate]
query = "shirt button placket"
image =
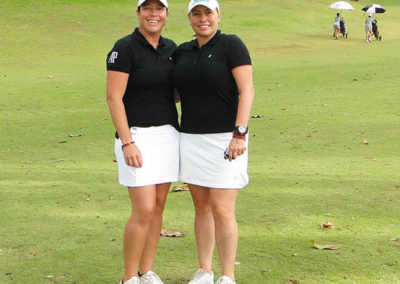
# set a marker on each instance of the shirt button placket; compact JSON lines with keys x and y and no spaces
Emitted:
{"x":196,"y":61}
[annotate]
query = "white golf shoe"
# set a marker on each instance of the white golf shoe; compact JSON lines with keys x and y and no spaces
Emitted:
{"x":225,"y":280}
{"x":133,"y":280}
{"x":150,"y":278}
{"x":202,"y":277}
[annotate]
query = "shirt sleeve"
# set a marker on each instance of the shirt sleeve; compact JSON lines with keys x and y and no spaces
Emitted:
{"x":120,"y":57}
{"x":237,"y":52}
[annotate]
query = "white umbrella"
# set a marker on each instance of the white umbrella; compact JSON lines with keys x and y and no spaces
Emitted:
{"x":341,"y":5}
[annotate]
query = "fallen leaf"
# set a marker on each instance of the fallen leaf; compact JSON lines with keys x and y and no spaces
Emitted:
{"x":112,"y":240}
{"x":292,"y":281}
{"x":177,"y":188}
{"x":60,"y":160}
{"x":329,"y":247}
{"x":283,"y":108}
{"x":166,"y":233}
{"x":395,"y":240}
{"x":237,"y":263}
{"x":327,"y":225}
{"x":257,"y":116}
{"x":295,"y":254}
{"x":74,"y":135}
{"x":63,"y":141}
{"x":49,"y":76}
{"x":115,"y":161}
{"x":365,"y":141}
{"x":49,"y":277}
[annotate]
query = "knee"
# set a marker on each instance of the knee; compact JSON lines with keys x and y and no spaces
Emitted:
{"x":159,"y":208}
{"x":223,"y":216}
{"x":202,"y":208}
{"x":144,"y":214}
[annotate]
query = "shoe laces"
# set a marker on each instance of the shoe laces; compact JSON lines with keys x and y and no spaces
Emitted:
{"x":150,"y":275}
{"x":200,"y":274}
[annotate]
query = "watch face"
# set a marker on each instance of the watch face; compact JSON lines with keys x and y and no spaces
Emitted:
{"x":242,"y":129}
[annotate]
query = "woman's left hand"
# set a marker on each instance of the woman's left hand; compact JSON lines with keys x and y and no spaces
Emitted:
{"x":237,"y":147}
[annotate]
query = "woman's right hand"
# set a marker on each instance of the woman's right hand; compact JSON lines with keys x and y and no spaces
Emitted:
{"x":132,"y":156}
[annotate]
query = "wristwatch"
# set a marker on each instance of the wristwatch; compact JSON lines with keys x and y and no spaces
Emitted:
{"x":240,"y":131}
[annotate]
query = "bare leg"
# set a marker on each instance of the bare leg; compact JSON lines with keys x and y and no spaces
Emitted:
{"x":143,"y":201}
{"x":226,"y":231}
{"x":153,"y":235}
{"x":203,"y":226}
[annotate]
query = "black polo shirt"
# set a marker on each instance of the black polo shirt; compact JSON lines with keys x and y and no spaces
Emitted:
{"x":149,"y":98}
{"x":204,"y":80}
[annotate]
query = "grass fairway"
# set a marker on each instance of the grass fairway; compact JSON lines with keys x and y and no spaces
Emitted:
{"x":62,"y":212}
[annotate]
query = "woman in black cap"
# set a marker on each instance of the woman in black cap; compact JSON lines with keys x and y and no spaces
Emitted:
{"x":213,"y":76}
{"x":141,"y":102}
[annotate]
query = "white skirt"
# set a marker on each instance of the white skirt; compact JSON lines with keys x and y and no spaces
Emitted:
{"x":202,"y":161}
{"x":159,"y":147}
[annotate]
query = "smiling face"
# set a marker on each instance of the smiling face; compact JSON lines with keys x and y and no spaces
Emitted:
{"x":152,"y":16}
{"x":204,"y":22}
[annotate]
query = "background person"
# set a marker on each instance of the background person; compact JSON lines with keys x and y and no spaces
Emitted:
{"x":368,"y":28}
{"x":336,"y":26}
{"x":141,"y":102}
{"x":375,"y":30}
{"x":213,"y":75}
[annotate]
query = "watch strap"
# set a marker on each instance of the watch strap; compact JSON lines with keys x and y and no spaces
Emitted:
{"x":237,"y":136}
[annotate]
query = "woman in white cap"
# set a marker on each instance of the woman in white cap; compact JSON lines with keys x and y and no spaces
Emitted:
{"x":141,"y":102}
{"x":368,"y":28}
{"x":213,"y":76}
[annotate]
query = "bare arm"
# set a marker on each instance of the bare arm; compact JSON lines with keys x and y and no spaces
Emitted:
{"x":243,"y":76}
{"x":116,"y":85}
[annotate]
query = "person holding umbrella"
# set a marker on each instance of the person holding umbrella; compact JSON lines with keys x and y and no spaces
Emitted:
{"x":342,"y":6}
{"x":368,"y":28}
{"x":336,"y":26}
{"x":371,"y":9}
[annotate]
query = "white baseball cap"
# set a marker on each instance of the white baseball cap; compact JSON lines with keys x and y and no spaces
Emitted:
{"x":164,"y":2}
{"x":210,"y":4}
{"x":370,"y":15}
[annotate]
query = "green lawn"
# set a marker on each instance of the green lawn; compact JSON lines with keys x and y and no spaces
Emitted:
{"x":62,"y":212}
